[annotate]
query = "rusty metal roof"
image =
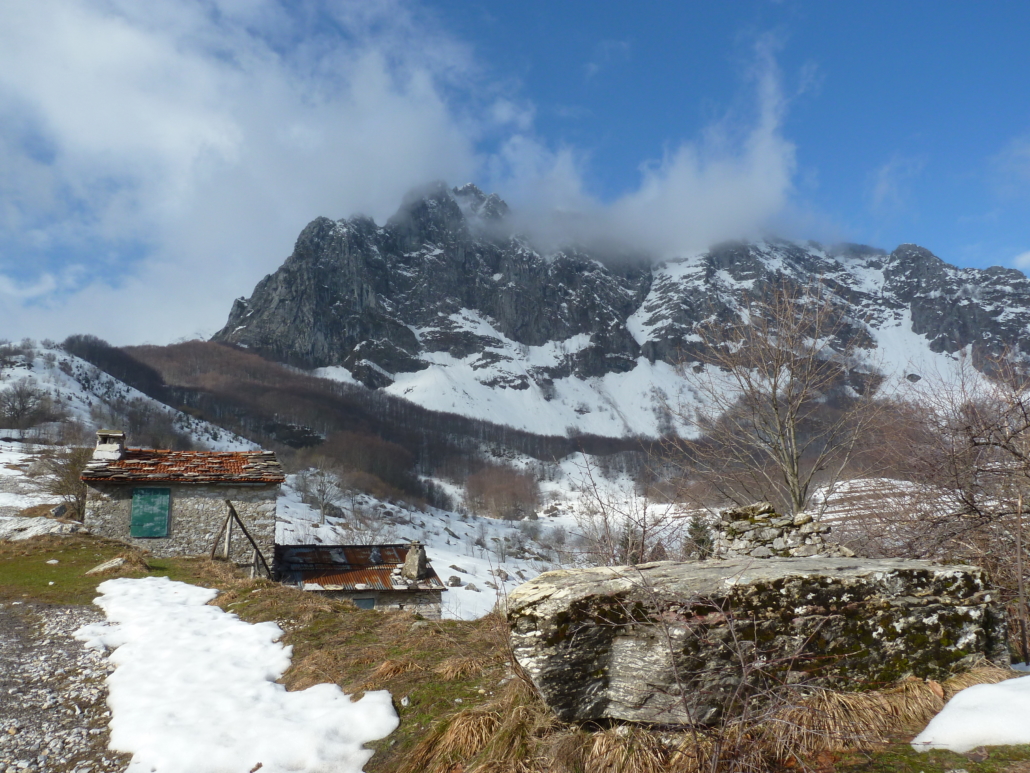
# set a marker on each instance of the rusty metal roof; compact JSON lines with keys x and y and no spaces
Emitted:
{"x":349,"y":567}
{"x":158,"y":466}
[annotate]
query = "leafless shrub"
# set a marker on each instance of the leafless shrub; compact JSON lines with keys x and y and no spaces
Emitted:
{"x":58,"y":471}
{"x":616,"y":527}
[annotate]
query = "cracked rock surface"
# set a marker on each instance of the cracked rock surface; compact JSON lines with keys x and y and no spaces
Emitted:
{"x":53,"y":700}
{"x":677,"y":643}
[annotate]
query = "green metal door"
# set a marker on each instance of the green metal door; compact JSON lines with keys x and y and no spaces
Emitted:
{"x":150,"y":512}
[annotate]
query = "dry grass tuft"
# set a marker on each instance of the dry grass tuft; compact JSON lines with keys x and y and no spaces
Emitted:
{"x":501,"y":736}
{"x":983,"y":673}
{"x":627,"y":749}
{"x":389,"y":669}
{"x":515,"y":733}
{"x":836,"y":721}
{"x":38,"y":511}
{"x":134,"y":562}
{"x":459,"y":667}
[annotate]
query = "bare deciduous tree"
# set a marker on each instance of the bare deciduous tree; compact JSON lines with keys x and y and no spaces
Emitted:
{"x":22,"y":404}
{"x":60,"y":470}
{"x":322,"y":486}
{"x":783,"y":399}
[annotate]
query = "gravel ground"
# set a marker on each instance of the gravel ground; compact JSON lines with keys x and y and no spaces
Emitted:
{"x":53,"y":710}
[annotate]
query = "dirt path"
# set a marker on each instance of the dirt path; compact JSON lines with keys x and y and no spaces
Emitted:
{"x":53,"y":710}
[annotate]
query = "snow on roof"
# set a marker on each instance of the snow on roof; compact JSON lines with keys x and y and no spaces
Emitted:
{"x":160,"y":466}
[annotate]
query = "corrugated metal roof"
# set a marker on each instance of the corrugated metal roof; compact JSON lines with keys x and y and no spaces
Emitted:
{"x":160,"y":466}
{"x":350,"y":567}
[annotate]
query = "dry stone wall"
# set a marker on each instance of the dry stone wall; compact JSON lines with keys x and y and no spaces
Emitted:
{"x":197,"y":512}
{"x":758,"y":531}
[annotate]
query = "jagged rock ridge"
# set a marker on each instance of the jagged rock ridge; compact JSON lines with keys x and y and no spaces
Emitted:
{"x":445,"y":305}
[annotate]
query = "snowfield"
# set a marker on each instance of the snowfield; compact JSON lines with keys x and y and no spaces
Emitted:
{"x":194,"y":690}
{"x":83,"y":391}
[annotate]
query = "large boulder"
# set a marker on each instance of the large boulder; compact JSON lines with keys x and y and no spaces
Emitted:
{"x":672,"y":643}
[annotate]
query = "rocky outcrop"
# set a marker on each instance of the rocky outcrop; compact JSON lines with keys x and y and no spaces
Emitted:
{"x":381,"y":301}
{"x":670,"y":642}
{"x":758,"y":531}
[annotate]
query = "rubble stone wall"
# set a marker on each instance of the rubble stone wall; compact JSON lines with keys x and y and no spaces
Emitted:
{"x":197,"y":512}
{"x":425,"y":603}
{"x":758,"y":531}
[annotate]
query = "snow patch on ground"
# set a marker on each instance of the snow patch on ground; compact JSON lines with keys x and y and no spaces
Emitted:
{"x":194,"y":690}
{"x":982,"y":715}
{"x":14,"y":528}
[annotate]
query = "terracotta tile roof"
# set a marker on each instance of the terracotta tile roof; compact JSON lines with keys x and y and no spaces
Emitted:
{"x":349,"y":567}
{"x":155,"y":466}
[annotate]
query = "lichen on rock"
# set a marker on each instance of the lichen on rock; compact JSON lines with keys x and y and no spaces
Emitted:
{"x":673,"y":642}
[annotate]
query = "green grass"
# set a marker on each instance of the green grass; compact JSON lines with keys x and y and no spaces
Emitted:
{"x":25,"y":574}
{"x":902,"y":758}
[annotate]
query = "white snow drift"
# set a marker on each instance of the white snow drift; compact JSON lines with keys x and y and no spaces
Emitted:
{"x":194,"y":690}
{"x":982,"y":715}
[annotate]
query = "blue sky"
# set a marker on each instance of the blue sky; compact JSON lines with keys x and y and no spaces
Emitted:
{"x":157,"y":159}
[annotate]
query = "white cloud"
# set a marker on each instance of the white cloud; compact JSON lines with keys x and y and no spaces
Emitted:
{"x":180,"y":131}
{"x":734,"y":182}
{"x":160,"y":157}
{"x":45,"y":284}
{"x":1022,"y":260}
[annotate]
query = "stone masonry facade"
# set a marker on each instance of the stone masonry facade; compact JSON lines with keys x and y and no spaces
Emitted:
{"x":197,"y":513}
{"x":425,"y":603}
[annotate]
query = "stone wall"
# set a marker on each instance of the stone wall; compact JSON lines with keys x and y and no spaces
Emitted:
{"x":425,"y":603}
{"x":197,"y":513}
{"x":758,"y":531}
{"x":672,"y":642}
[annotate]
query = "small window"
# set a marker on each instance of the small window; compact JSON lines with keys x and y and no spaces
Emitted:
{"x":150,"y":508}
{"x":365,"y":603}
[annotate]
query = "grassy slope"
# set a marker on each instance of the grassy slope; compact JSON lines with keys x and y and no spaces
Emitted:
{"x":440,"y":667}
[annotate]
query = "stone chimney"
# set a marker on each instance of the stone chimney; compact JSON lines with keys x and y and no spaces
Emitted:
{"x":415,"y":567}
{"x":110,"y":445}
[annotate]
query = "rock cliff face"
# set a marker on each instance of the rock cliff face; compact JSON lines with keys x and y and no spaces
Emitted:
{"x":670,"y":642}
{"x":445,"y":305}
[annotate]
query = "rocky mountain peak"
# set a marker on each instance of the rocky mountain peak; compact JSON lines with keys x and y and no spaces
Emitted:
{"x":440,"y":307}
{"x":475,"y":203}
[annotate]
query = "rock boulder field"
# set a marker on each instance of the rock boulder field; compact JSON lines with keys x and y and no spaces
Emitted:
{"x":671,"y":642}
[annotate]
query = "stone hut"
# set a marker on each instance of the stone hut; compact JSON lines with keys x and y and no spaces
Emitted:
{"x":384,"y":577}
{"x":176,"y":503}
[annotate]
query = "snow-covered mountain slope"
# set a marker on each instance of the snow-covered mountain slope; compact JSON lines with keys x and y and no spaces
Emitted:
{"x":488,"y":557}
{"x":445,"y":307}
{"x":70,"y":391}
